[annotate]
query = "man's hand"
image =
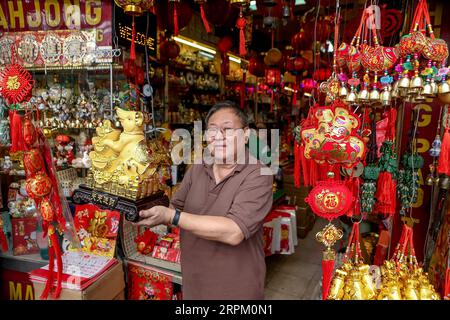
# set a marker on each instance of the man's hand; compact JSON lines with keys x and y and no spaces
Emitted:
{"x":155,"y":216}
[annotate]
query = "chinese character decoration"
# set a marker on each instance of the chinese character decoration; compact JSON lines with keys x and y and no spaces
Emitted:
{"x":16,"y":85}
{"x":330,"y":139}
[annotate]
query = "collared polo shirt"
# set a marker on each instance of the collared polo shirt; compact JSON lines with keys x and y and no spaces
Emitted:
{"x":215,"y":270}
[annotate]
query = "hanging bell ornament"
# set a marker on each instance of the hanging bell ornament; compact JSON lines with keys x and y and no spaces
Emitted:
{"x":374,"y":95}
{"x":429,"y":180}
{"x":343,"y":92}
{"x":336,"y":291}
{"x":427,"y":90}
{"x":368,"y":285}
{"x":363,"y":95}
{"x":416,"y":84}
{"x":354,"y":288}
{"x":419,"y":98}
{"x":444,"y":88}
{"x":351,"y":97}
{"x":386,"y":97}
{"x":410,"y":291}
{"x":395,"y":93}
{"x":404,"y":82}
{"x":444,"y":182}
{"x":134,"y":7}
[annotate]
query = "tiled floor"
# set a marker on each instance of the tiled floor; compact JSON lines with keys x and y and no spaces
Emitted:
{"x":297,"y":276}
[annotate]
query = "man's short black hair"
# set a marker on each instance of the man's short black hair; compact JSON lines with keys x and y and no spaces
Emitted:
{"x":228,"y":105}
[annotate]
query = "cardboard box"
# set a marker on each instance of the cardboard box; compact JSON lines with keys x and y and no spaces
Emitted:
{"x":110,"y":286}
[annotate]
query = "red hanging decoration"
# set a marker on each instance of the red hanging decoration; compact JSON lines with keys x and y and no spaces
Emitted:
{"x":16,"y":84}
{"x":240,"y":24}
{"x":327,"y":273}
{"x":202,"y":14}
{"x":133,"y":40}
{"x":444,"y":156}
{"x":175,"y":19}
{"x":297,"y":161}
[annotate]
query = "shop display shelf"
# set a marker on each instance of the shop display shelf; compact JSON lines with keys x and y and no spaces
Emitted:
{"x":23,"y":263}
{"x":186,"y":69}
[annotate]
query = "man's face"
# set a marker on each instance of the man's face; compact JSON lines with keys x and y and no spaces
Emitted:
{"x":225,"y":135}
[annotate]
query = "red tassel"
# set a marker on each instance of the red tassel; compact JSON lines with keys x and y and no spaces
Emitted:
{"x":271,"y":101}
{"x":58,"y":256}
{"x":294,"y":97}
{"x":17,"y":142}
{"x":175,"y":19}
{"x":51,"y":266}
{"x":327,"y":272}
{"x":205,"y":21}
{"x":386,"y":194}
{"x":133,"y":40}
{"x":447,"y":284}
{"x":304,"y":165}
{"x":240,"y":24}
{"x":3,"y":240}
{"x":444,"y":156}
{"x":297,"y":162}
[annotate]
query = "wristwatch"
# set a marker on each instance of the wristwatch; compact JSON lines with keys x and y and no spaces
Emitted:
{"x":176,"y":217}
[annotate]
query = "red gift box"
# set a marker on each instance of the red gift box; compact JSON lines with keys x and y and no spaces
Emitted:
{"x":24,"y":236}
{"x":168,"y":254}
{"x":145,"y":283}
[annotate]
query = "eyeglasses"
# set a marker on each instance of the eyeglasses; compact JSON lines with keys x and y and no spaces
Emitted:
{"x":226,"y":132}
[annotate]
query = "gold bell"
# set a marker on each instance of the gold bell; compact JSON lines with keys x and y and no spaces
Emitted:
{"x":444,"y":88}
{"x":416,"y":83}
{"x":369,"y":286}
{"x":351,"y":97}
{"x":363,"y":95}
{"x":354,"y":288}
{"x":343,"y":92}
{"x":429,"y":180}
{"x":419,"y":98}
{"x":336,"y":289}
{"x":403,"y":83}
{"x":386,"y":97}
{"x":427,"y":90}
{"x":374,"y":95}
{"x":410,"y":291}
{"x":434,"y":87}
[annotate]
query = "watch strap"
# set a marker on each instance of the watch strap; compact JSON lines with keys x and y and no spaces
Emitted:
{"x":176,"y":217}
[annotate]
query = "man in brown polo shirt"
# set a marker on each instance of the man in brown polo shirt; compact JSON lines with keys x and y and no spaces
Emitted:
{"x":220,"y":208}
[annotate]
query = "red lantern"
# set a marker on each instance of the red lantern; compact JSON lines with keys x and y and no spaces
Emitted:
{"x":256,"y":66}
{"x":166,"y":19}
{"x":225,"y":44}
{"x":273,"y":76}
{"x":322,"y":74}
{"x":300,"y":64}
{"x":169,"y":50}
{"x":308,"y":85}
{"x":217,"y":11}
{"x":300,"y":41}
{"x":322,"y":29}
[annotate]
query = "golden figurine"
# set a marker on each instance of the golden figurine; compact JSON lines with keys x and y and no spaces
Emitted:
{"x":123,"y":162}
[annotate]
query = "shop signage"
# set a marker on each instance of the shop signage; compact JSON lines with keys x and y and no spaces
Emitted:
{"x":33,"y":15}
{"x":15,"y":285}
{"x":144,"y":37}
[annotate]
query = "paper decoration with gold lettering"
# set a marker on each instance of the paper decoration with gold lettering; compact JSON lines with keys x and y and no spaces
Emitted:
{"x":16,"y":84}
{"x":97,"y":229}
{"x":332,"y":138}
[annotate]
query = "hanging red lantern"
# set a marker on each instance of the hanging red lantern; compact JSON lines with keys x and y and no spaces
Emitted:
{"x":273,"y":76}
{"x":308,"y":85}
{"x":322,"y":29}
{"x":273,"y":57}
{"x":256,"y":66}
{"x":173,"y":15}
{"x":322,"y":74}
{"x":300,"y":64}
{"x":300,"y":41}
{"x":217,"y":11}
{"x":169,"y":50}
{"x":225,"y":44}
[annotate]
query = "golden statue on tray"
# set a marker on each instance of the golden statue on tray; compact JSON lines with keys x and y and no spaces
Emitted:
{"x":123,"y":163}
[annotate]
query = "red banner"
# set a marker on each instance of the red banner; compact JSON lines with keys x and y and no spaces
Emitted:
{"x":44,"y":15}
{"x":15,"y":285}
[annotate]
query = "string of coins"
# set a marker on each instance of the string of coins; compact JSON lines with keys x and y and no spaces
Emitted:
{"x":352,"y":281}
{"x":402,"y":277}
